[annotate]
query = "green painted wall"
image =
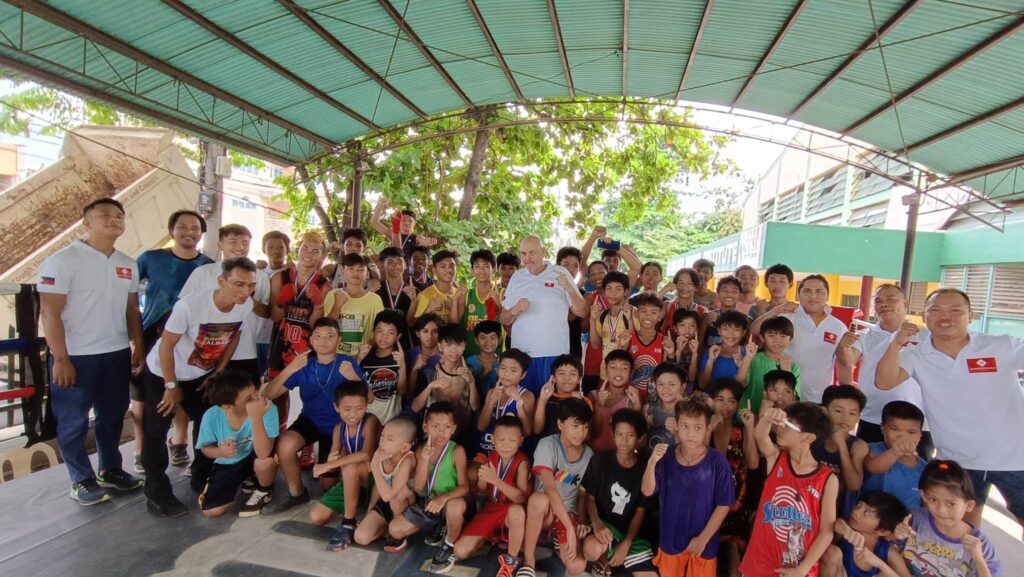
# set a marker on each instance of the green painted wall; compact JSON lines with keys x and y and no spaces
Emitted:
{"x":983,"y":245}
{"x":850,"y":251}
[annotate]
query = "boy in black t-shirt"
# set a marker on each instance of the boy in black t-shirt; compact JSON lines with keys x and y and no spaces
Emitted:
{"x":383,"y":364}
{"x":615,"y":504}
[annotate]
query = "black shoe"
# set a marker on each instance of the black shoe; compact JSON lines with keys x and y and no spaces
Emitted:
{"x":166,"y":507}
{"x":119,"y":480}
{"x":443,"y":560}
{"x":437,"y":534}
{"x":288,"y":502}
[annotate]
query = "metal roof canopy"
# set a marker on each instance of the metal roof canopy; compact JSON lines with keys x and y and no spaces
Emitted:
{"x":938,"y":82}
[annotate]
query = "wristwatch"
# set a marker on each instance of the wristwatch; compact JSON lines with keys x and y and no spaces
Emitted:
{"x":170,"y":385}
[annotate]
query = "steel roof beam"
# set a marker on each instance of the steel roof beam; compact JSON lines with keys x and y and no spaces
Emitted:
{"x":855,"y":57}
{"x":67,"y":22}
{"x":561,"y":48}
{"x":793,"y":16}
{"x":123,"y":104}
{"x":263,"y":59}
{"x":625,"y":47}
{"x":980,"y":171}
{"x":693,"y":47}
{"x":330,"y":39}
{"x":415,"y":39}
{"x":939,"y":74}
{"x":973,"y":122}
{"x":494,"y":49}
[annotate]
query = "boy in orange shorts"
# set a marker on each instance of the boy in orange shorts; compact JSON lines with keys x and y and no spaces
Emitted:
{"x":505,"y":477}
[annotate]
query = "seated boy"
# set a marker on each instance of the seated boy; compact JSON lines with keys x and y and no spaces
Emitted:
{"x":238,"y":433}
{"x":842,"y":451}
{"x":615,"y":503}
{"x":695,"y":489}
{"x":392,"y":467}
{"x":797,"y":511}
{"x":484,"y":363}
{"x":317,"y":374}
{"x":353,"y":444}
{"x":565,"y":383}
{"x":864,"y":546}
{"x":441,"y":486}
{"x":505,"y":478}
{"x":893,"y":465}
{"x":558,"y":467}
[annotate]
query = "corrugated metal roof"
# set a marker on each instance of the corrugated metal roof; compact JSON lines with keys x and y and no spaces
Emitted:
{"x":271,"y":85}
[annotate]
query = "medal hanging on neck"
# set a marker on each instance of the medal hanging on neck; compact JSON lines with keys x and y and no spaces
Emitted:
{"x":354,"y":446}
{"x":295,"y":284}
{"x":316,"y":373}
{"x":437,"y":467}
{"x":391,"y":298}
{"x":502,"y":472}
{"x":613,"y":324}
{"x":500,"y":410}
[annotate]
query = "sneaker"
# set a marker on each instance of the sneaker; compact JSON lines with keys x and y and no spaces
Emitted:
{"x":138,"y":465}
{"x":437,"y":535}
{"x":167,"y":507}
{"x":287,"y":503}
{"x":507,"y":565}
{"x":119,"y":480}
{"x":306,"y":457}
{"x":248,"y":486}
{"x":89,"y":492}
{"x":179,"y":454}
{"x":392,"y":545}
{"x":255,"y":503}
{"x":444,"y":559}
{"x":342,"y":537}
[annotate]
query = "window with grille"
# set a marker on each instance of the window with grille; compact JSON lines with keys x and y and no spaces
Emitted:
{"x":917,"y":296}
{"x":1008,"y":292}
{"x":790,"y":205}
{"x":827,"y":192}
{"x":953,"y":277}
{"x":976,"y":286}
{"x":867,"y":184}
{"x":765,"y":213}
{"x":873,"y":215}
{"x":849,"y":301}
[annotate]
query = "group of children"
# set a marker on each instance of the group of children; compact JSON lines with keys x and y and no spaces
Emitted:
{"x":686,"y":447}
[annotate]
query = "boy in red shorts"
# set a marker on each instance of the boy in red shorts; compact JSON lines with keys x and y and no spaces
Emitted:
{"x":505,"y":478}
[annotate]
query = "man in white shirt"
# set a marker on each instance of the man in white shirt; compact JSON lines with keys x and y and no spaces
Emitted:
{"x":536,"y":307}
{"x":89,"y":306}
{"x":234,"y":241}
{"x":819,"y":339}
{"x":199,"y":338}
{"x":972,"y":395}
{"x":890,"y":304}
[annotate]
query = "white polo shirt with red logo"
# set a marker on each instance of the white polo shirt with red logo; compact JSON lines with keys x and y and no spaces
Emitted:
{"x":814,"y":348}
{"x":872,"y":344}
{"x":97,"y":288}
{"x":974,"y":403}
{"x":543,"y":330}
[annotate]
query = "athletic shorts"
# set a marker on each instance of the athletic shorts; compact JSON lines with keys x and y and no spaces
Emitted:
{"x":640,"y":554}
{"x":422,"y":520}
{"x":310,"y":434}
{"x":224,"y":482}
{"x":384,"y":510}
{"x":1009,"y":483}
{"x":560,"y":531}
{"x":334,"y":498}
{"x":685,"y":565}
{"x":488,"y":523}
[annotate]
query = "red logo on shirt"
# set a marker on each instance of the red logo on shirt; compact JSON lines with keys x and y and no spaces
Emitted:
{"x":123,"y":272}
{"x":982,"y":365}
{"x":549,"y":284}
{"x":831,"y":338}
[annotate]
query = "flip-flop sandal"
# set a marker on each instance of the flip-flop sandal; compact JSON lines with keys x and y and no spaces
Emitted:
{"x":601,"y":569}
{"x":526,"y":571}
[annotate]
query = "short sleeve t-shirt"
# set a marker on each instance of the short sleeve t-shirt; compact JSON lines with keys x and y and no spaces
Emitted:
{"x":760,"y":365}
{"x":205,"y":333}
{"x":97,"y":289}
{"x":382,"y":377}
{"x":550,"y":455}
{"x":616,"y":489}
{"x":356,"y":320}
{"x":484,"y":381}
{"x":900,"y":480}
{"x":540,"y":331}
{"x":930,"y":553}
{"x":316,"y":383}
{"x":215,"y":429}
{"x":165,"y":274}
{"x":724,"y":367}
{"x":433,"y":292}
{"x":688,"y":496}
{"x":204,"y":278}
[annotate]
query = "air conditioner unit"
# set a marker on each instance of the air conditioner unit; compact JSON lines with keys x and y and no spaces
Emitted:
{"x":223,"y":168}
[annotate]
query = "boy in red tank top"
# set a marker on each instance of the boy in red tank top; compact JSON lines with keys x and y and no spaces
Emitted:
{"x":794,"y":522}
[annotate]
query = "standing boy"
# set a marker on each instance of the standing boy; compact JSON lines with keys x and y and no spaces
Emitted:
{"x":353,"y":307}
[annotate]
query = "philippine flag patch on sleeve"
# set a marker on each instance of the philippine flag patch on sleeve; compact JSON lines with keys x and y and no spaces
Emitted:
{"x":47,"y":280}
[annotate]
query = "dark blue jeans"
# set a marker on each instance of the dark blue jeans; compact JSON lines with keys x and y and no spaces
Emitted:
{"x":101,"y":384}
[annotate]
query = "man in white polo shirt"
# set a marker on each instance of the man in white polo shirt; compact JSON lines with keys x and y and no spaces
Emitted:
{"x":199,"y":338}
{"x":819,"y":339}
{"x":972,"y":396}
{"x":536,"y":306}
{"x":89,"y":306}
{"x":890,"y":304}
{"x":233,"y":241}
